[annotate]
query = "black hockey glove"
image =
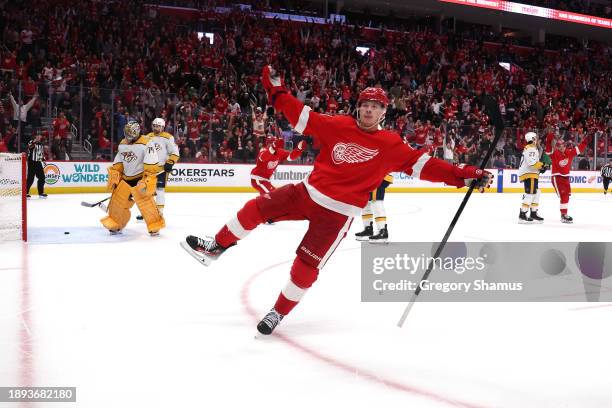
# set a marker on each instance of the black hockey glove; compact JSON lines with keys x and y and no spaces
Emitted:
{"x":168,"y":166}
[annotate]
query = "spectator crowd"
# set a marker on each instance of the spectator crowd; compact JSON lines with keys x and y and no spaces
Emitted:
{"x":81,"y":70}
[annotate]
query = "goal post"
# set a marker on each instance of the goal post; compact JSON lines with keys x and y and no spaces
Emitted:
{"x":13,"y":205}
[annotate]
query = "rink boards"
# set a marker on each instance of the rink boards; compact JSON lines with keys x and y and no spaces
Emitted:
{"x":83,"y":177}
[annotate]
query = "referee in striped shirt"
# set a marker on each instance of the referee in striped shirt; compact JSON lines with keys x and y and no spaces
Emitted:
{"x":36,"y":158}
{"x":606,"y":173}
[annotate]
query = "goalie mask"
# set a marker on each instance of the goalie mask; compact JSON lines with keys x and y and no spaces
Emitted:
{"x":131,"y":131}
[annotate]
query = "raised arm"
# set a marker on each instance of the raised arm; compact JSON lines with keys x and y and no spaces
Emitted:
{"x":549,"y":139}
{"x":301,"y":117}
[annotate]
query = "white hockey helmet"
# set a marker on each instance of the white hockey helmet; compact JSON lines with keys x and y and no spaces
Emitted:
{"x":530,"y":137}
{"x":159,"y":122}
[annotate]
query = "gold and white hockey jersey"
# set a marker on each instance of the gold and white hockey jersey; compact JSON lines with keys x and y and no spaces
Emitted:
{"x":530,"y":163}
{"x":166,"y":148}
{"x":133,"y":159}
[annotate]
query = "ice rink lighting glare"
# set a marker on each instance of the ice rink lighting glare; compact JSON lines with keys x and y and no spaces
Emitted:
{"x":362,"y":50}
{"x":210,"y":36}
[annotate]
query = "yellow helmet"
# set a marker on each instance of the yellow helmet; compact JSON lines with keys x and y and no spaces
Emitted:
{"x":131,"y":131}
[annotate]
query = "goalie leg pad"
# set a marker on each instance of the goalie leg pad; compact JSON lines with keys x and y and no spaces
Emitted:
{"x":118,"y":208}
{"x":148,"y":209}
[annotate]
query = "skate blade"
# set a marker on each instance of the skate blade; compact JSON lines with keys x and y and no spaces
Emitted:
{"x":362,"y":239}
{"x":537,"y":222}
{"x":379,"y":241}
{"x":525,"y":222}
{"x":567,"y":222}
{"x":199,"y":257}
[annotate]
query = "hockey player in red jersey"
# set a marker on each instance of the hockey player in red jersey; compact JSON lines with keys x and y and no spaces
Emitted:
{"x":562,"y":158}
{"x":355,"y":155}
{"x":268,"y":159}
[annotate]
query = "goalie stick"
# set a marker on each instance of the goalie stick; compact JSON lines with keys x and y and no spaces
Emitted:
{"x":99,"y":203}
{"x":492,"y":109}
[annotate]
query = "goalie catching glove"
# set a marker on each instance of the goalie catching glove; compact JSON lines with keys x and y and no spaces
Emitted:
{"x":483,"y":178}
{"x":273,"y":84}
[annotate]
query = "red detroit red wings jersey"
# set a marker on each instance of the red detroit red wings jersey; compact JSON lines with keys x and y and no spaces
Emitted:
{"x":352,"y":163}
{"x":562,"y":162}
{"x":267,"y":162}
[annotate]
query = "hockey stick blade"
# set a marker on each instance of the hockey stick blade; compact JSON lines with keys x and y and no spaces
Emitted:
{"x":90,"y":205}
{"x":492,"y":109}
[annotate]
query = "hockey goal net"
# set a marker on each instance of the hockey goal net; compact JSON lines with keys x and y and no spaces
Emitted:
{"x":13,"y":209}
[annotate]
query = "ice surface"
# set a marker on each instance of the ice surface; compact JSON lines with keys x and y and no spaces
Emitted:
{"x":133,"y":321}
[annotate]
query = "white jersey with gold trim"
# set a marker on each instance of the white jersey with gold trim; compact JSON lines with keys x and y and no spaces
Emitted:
{"x":529,"y":167}
{"x":165,"y":146}
{"x":135,"y":156}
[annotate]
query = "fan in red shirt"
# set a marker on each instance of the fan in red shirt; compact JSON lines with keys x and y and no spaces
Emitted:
{"x":61,"y":126}
{"x":356,"y":154}
{"x":268,"y":159}
{"x":562,"y":158}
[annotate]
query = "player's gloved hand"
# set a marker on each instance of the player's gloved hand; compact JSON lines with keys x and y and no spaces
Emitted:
{"x":272,"y":83}
{"x":301,"y":145}
{"x":168,"y":166}
{"x":114,"y":178}
{"x":544,"y":169}
{"x":483,"y":178}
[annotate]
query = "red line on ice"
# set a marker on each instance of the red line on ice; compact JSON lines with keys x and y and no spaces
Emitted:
{"x":346,"y":367}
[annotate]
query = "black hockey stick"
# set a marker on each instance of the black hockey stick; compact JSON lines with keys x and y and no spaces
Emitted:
{"x":86,"y":204}
{"x":492,"y":109}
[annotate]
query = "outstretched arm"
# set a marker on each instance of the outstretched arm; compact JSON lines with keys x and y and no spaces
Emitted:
{"x":297,"y":151}
{"x":429,"y":168}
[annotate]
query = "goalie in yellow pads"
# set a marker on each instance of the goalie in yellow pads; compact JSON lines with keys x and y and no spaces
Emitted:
{"x":132,"y":178}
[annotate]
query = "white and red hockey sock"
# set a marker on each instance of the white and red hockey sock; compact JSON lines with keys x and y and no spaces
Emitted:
{"x":239,"y":227}
{"x":563,"y":207}
{"x":302,"y":278}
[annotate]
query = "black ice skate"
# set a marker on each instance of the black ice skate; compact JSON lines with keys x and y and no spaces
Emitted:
{"x":269,"y":322}
{"x":381,"y":237}
{"x":204,"y":250}
{"x":365,"y":234}
{"x":43,"y":195}
{"x":139,"y":218}
{"x":566,"y":219}
{"x":524,"y":219}
{"x":536,"y":218}
{"x":115,"y":232}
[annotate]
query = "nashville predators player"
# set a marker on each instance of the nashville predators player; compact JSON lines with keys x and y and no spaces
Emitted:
{"x":168,"y":155}
{"x":132,"y":178}
{"x":529,"y":174}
